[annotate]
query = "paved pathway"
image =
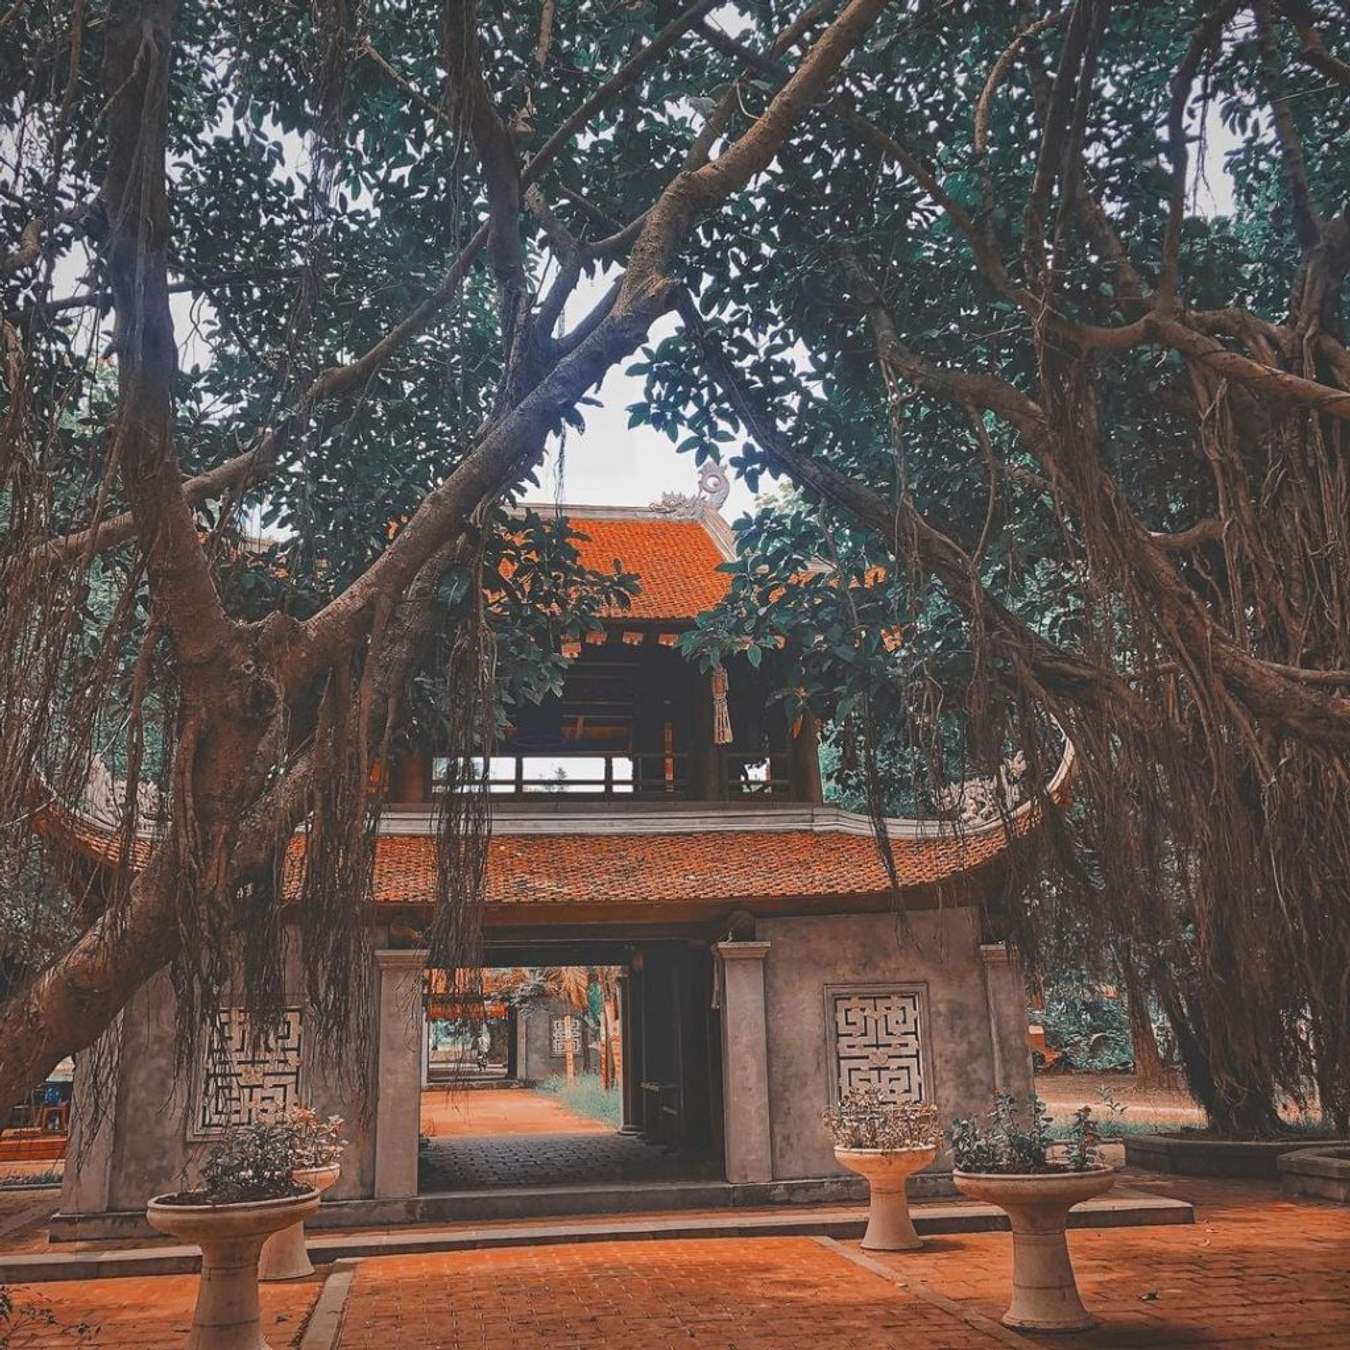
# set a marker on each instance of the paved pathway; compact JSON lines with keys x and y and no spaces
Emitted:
{"x":1255,"y":1270}
{"x":461,"y":1164}
{"x":488,"y":1138}
{"x":450,"y":1112}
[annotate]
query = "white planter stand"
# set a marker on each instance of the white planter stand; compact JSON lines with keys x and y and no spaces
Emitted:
{"x":889,"y":1227}
{"x":1045,"y":1292}
{"x":283,"y":1255}
{"x":231,"y":1236}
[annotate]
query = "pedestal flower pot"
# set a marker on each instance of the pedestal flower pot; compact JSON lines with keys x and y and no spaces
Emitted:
{"x":283,"y":1255}
{"x":1045,"y":1293}
{"x":230,"y":1236}
{"x":889,"y":1227}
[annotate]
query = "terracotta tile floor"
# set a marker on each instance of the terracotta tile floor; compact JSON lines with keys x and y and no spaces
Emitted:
{"x":1255,"y":1269}
{"x":697,"y":1292}
{"x":150,"y":1314}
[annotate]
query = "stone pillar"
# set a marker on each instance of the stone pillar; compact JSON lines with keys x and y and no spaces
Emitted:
{"x":425,"y":1077}
{"x":745,"y":1062}
{"x":630,"y":1076}
{"x":87,"y":1181}
{"x":1006,"y":998}
{"x":398,"y":1072}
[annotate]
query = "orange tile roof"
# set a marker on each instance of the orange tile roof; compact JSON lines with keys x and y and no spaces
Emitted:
{"x":676,"y":562}
{"x":595,"y":869}
{"x":528,"y":869}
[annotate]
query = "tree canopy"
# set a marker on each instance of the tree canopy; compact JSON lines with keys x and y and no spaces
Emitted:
{"x":943,"y":265}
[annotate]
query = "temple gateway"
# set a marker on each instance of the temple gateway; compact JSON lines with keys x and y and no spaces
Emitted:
{"x":761,"y":967}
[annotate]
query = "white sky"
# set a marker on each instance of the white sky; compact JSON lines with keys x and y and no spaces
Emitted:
{"x":610,"y":465}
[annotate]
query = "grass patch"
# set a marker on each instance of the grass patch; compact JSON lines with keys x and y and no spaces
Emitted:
{"x":1115,"y":1129}
{"x":585,"y":1096}
{"x":15,"y":1180}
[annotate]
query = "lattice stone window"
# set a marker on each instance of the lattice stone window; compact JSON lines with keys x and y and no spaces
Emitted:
{"x":879,"y":1036}
{"x":238,"y":1085}
{"x":560,"y":1031}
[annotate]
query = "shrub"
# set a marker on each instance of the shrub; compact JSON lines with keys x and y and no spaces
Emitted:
{"x":252,"y":1162}
{"x":255,"y":1161}
{"x":863,"y":1120}
{"x":315,"y":1142}
{"x":1005,"y":1144}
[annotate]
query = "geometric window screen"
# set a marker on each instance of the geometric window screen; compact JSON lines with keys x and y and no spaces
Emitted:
{"x":561,"y":1031}
{"x":878,"y":1040}
{"x":239,"y":1084}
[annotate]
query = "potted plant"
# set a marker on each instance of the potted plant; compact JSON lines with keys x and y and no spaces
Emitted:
{"x":316,"y":1156}
{"x":249,"y":1193}
{"x":1035,"y":1182}
{"x":885,"y":1142}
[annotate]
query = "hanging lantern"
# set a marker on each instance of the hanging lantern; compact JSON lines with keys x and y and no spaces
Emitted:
{"x":721,"y":713}
{"x":571,"y":648}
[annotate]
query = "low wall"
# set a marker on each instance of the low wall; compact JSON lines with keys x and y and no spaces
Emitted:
{"x":1322,"y":1171}
{"x":1197,"y":1156}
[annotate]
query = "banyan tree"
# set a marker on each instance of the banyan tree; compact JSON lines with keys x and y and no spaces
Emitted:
{"x":1040,"y":306}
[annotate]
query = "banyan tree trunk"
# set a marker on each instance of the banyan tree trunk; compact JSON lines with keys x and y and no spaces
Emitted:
{"x":1149,"y":1069}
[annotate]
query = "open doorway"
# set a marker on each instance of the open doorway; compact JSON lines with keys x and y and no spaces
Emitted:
{"x":541,"y":1085}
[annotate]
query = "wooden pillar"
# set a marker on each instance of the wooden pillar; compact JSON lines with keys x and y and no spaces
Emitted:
{"x":630,"y":1022}
{"x":412,"y":779}
{"x":703,"y":757}
{"x":695,"y":1090}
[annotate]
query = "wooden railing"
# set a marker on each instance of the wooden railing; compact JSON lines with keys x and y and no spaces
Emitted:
{"x":644,"y":777}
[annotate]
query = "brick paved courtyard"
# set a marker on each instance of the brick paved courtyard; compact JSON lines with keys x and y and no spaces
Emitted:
{"x":701,"y":1292}
{"x":1254,"y":1270}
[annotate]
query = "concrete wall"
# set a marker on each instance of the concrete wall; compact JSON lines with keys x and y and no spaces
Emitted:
{"x":143,"y":1146}
{"x":536,"y":1060}
{"x":938,"y":949}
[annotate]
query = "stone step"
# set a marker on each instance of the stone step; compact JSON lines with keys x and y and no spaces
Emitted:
{"x":1123,"y":1208}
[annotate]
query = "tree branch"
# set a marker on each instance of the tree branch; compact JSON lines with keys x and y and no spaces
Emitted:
{"x":1307,"y":223}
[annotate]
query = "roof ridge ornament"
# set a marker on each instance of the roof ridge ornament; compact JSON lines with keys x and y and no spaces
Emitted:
{"x":713,"y":489}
